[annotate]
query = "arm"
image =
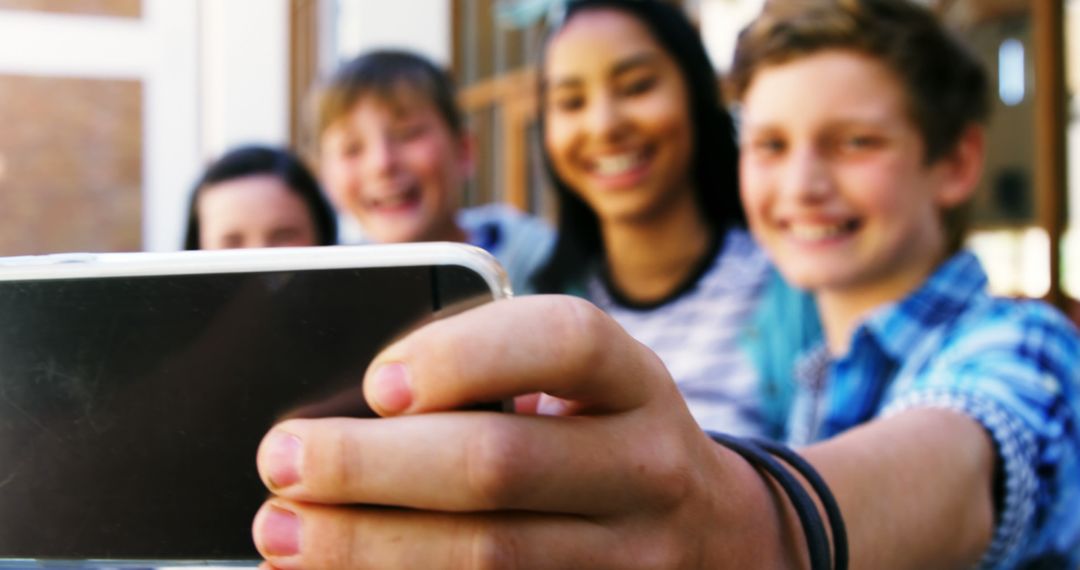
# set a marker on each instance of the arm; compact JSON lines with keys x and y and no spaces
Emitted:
{"x":622,"y":478}
{"x":915,"y":489}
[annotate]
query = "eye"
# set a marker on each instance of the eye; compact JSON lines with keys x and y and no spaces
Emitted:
{"x":408,"y":131}
{"x":284,"y":236}
{"x":766,"y":146}
{"x":569,"y":104}
{"x":350,"y":148}
{"x":860,"y":143}
{"x":638,"y":85}
{"x":566,"y":101}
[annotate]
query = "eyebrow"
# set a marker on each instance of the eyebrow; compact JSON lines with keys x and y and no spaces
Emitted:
{"x":848,"y":122}
{"x":623,"y":66}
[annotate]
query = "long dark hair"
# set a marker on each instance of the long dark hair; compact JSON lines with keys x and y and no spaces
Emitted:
{"x":715,"y":163}
{"x":282,"y":164}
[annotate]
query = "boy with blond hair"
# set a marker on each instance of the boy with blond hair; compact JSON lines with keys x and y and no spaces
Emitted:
{"x":394,"y":155}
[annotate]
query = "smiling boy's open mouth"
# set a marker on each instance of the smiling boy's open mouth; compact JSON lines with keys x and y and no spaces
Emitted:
{"x":820,"y":231}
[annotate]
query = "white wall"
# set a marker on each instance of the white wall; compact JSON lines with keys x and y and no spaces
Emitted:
{"x":244,"y":73}
{"x":72,"y":46}
{"x":721,"y":21}
{"x":171,"y":145}
{"x":419,"y":25}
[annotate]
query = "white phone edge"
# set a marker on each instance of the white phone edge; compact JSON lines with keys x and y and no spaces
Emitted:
{"x":90,"y":265}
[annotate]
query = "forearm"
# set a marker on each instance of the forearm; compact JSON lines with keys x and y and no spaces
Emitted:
{"x":915,"y":489}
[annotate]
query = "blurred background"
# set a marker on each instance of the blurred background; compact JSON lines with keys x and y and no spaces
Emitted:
{"x":109,"y":109}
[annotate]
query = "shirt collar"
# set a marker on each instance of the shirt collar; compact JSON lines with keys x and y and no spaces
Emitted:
{"x":898,"y":327}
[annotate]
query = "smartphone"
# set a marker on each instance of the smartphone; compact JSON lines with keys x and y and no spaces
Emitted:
{"x":135,"y":388}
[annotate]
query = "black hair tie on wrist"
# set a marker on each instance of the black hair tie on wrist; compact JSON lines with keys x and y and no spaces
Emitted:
{"x":832,"y":510}
{"x":817,"y":541}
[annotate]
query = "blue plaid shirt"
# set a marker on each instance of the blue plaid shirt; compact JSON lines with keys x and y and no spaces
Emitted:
{"x":1013,"y":366}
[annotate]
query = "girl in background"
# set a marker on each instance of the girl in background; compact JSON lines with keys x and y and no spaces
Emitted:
{"x":644,"y":162}
{"x":257,"y":196}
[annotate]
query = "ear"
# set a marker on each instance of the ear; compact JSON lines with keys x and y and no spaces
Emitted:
{"x":962,"y":168}
{"x":466,"y":144}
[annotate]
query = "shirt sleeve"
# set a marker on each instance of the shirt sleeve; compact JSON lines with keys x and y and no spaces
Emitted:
{"x":1013,"y":368}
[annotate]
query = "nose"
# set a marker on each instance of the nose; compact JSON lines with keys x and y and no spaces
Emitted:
{"x":257,"y":239}
{"x":604,"y":117}
{"x":806,"y":177}
{"x":380,"y":157}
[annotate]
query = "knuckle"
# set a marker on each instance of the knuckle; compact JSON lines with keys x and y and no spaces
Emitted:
{"x":332,"y":540}
{"x":330,"y":460}
{"x":669,"y":470}
{"x":581,"y":330}
{"x":491,"y":549}
{"x":345,"y":471}
{"x":492,"y":464}
{"x":661,"y":550}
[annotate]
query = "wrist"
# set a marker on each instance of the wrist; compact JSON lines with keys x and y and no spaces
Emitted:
{"x":752,"y":524}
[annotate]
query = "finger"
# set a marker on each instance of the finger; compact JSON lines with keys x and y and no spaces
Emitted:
{"x":294,"y":535}
{"x":504,"y":461}
{"x":560,"y":345}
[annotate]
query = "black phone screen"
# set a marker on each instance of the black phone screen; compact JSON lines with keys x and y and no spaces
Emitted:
{"x":131,"y":408}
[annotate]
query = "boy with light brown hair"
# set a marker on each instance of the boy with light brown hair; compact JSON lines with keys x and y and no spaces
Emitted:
{"x":862,"y":143}
{"x":395,"y":155}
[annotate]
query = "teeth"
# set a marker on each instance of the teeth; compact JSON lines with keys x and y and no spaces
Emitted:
{"x":617,"y":164}
{"x":816,"y":232}
{"x":393,"y":200}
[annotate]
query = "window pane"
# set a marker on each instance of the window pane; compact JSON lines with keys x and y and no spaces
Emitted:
{"x":1070,"y":263}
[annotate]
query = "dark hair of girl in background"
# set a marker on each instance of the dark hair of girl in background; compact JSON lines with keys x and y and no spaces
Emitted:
{"x":715,"y":160}
{"x":282,"y":164}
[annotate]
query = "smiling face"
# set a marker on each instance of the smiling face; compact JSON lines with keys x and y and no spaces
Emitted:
{"x":253,"y":211}
{"x":834,"y":177}
{"x":398,"y":168}
{"x":617,"y":126}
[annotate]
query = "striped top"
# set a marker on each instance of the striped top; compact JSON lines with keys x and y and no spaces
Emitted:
{"x":698,"y":335}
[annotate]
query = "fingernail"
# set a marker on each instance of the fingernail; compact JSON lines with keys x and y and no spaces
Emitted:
{"x":283,"y":459}
{"x":391,"y":390}
{"x":280,"y":532}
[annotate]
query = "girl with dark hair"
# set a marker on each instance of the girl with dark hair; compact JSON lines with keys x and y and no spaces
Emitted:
{"x":644,"y":162}
{"x":256,"y":196}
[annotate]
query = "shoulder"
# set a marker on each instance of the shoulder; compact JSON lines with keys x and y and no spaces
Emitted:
{"x":953,"y":324}
{"x":501,"y":215}
{"x":1020,"y":353}
{"x":995,"y":329}
{"x":519,"y":241}
{"x":499,"y":226}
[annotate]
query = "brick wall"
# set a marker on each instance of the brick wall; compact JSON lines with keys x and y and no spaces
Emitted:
{"x":70,"y":165}
{"x":120,"y":8}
